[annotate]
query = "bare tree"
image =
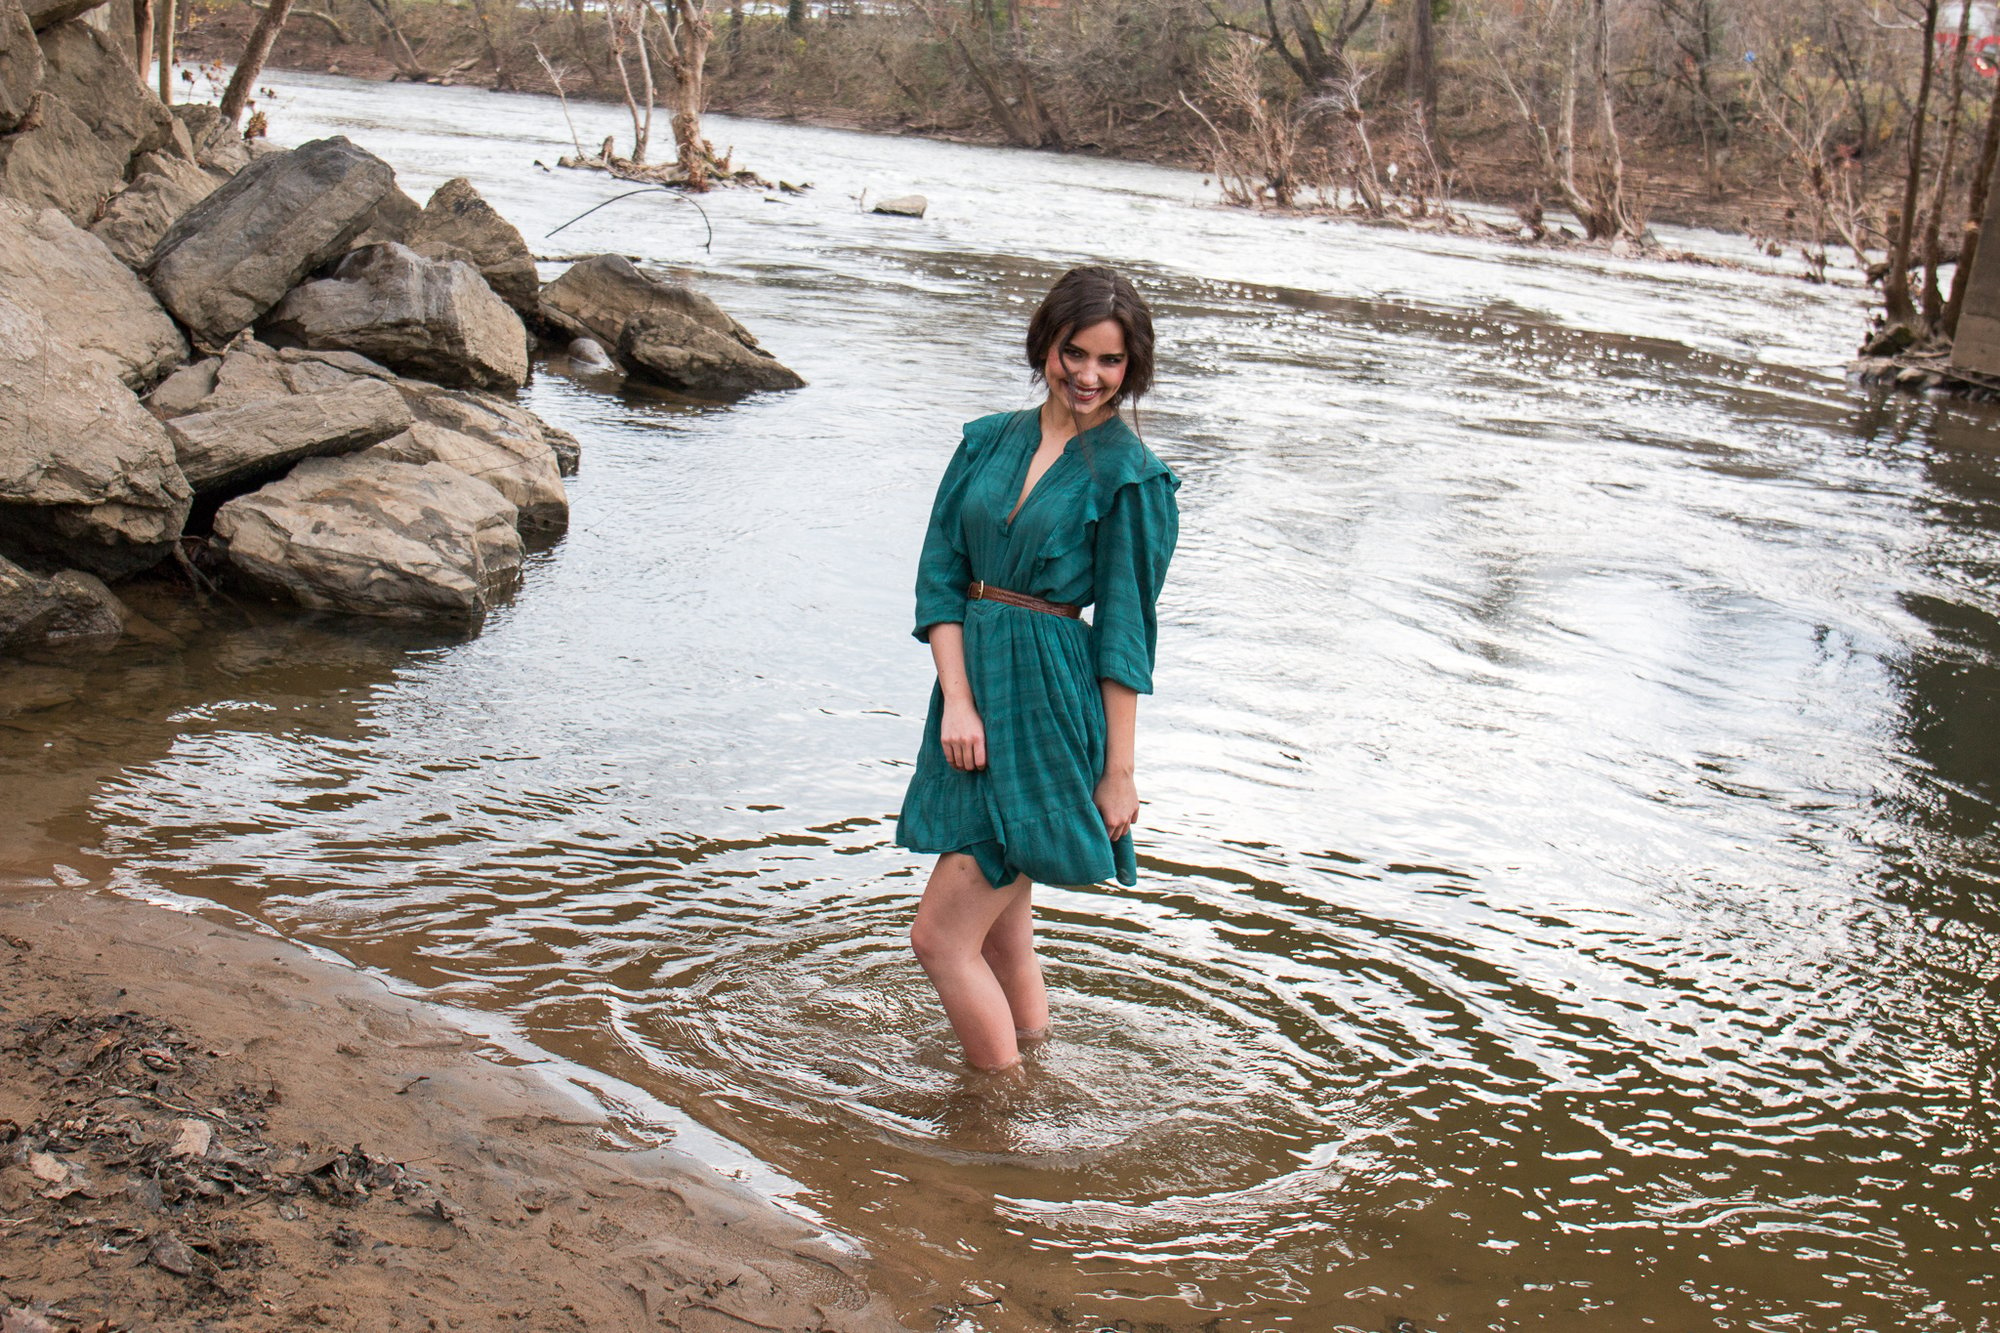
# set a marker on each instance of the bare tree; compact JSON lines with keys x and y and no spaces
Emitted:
{"x":687,"y":36}
{"x":625,"y":26}
{"x":1975,"y":213}
{"x":1896,"y":282}
{"x":1541,"y":60}
{"x":255,"y":52}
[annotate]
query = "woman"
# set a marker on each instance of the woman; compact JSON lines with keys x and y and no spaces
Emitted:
{"x":1026,"y":769}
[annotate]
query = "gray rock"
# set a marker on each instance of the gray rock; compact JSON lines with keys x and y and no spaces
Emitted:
{"x":663,"y":330}
{"x":228,"y":446}
{"x":391,"y":220}
{"x":669,"y":348}
{"x":48,"y":13}
{"x":87,"y":475}
{"x":589,"y":354}
{"x":234,"y":255}
{"x":374,"y":536}
{"x":60,"y":164}
{"x":505,"y":425}
{"x":139,"y":215}
{"x":72,"y":608}
{"x":213,"y":143}
{"x":185,"y":390}
{"x":417,"y":316}
{"x":905,"y":206}
{"x":457,"y":217}
{"x":523,"y":470}
{"x":20,"y":66}
{"x":92,"y":302}
{"x":90,"y":72}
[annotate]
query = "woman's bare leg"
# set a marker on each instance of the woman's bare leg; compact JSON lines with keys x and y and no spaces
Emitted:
{"x":1009,"y":950}
{"x":958,"y":910}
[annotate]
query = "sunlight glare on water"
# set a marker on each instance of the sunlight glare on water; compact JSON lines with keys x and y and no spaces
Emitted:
{"x":1567,"y":867}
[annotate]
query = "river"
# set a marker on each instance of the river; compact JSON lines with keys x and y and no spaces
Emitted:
{"x":1567,"y":869}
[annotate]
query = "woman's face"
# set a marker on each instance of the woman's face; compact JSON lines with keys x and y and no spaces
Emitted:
{"x":1085,"y":369}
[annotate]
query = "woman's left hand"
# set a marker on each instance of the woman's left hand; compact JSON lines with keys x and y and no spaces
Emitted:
{"x":1117,"y":800}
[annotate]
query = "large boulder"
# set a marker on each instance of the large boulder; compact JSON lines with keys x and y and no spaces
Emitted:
{"x":92,"y":303}
{"x":229,"y":446}
{"x":523,"y":470}
{"x":61,"y":164}
{"x":87,"y":476}
{"x":20,"y":66}
{"x":48,"y":13}
{"x":70,"y":608}
{"x":375,"y":536}
{"x":457,"y":219}
{"x":234,"y":255}
{"x":139,"y":215}
{"x":662,"y":330}
{"x":505,"y":426}
{"x":417,"y":316}
{"x":89,"y":71}
{"x":391,"y":220}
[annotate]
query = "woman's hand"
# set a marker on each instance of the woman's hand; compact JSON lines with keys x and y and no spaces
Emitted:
{"x":963,"y":735}
{"x":1117,"y":799}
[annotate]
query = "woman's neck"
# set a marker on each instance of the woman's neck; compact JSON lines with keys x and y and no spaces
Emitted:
{"x":1058,"y":418}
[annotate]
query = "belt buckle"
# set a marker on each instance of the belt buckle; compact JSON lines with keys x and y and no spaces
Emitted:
{"x":977,"y":592}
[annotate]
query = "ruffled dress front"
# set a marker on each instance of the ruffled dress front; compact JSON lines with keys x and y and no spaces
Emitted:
{"x":1097,"y":531}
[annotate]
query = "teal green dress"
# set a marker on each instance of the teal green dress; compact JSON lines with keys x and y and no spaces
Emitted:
{"x":1097,"y":531}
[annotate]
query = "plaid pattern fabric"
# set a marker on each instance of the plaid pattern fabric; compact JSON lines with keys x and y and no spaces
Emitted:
{"x":1098,"y":530}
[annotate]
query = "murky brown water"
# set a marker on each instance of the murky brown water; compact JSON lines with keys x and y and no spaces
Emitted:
{"x":1568,"y":867}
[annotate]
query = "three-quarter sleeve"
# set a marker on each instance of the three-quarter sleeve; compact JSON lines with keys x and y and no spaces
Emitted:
{"x":1135,"y":540}
{"x":943,"y":570}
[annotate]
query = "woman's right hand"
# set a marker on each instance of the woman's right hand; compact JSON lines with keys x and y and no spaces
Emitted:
{"x":963,"y":736}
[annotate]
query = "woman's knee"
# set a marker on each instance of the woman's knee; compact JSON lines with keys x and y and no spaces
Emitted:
{"x":933,"y":945}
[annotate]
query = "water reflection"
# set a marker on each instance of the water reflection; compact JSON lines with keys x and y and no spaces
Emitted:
{"x":1566,"y":865}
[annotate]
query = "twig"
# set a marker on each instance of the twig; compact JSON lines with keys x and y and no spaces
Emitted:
{"x":556,"y":80}
{"x":650,"y":189}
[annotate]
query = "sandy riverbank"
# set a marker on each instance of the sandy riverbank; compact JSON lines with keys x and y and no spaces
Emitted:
{"x":203,"y":1126}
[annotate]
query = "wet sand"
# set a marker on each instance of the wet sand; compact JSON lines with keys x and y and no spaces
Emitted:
{"x":205,"y":1126}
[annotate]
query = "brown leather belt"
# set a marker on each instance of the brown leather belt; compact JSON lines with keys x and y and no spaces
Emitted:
{"x":986,"y":592}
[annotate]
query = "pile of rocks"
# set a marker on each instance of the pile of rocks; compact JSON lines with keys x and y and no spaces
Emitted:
{"x":275,"y":359}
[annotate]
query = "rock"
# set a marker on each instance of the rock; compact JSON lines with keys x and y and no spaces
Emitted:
{"x":71,"y":608}
{"x":523,"y":470}
{"x":505,"y":426}
{"x":90,"y":72}
{"x":391,"y":220}
{"x":86,"y":474}
{"x":20,"y":66}
{"x":60,"y":164}
{"x":183,"y":391}
{"x":1892,"y":341}
{"x":48,"y":13}
{"x":457,"y":216}
{"x":92,"y":303}
{"x":415,"y":315}
{"x":377,"y":537}
{"x":234,"y":255}
{"x":589,"y":354}
{"x":215,"y":144}
{"x":229,"y":446}
{"x":139,"y":215}
{"x":681,"y":353}
{"x":665,"y":330}
{"x":906,"y":206}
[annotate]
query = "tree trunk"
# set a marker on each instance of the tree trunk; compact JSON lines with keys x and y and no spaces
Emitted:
{"x":142,"y":38}
{"x":1933,"y":299}
{"x":795,"y":15}
{"x":1423,"y":78}
{"x":1896,"y":283}
{"x":1975,"y":214}
{"x":167,"y":21}
{"x":689,"y":54}
{"x":244,"y":80}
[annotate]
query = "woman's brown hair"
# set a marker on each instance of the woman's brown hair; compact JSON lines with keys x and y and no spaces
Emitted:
{"x":1089,"y":295}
